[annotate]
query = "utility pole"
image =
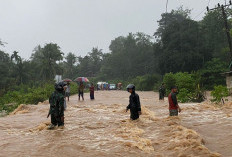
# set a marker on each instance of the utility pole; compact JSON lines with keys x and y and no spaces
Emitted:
{"x":227,"y":29}
{"x":226,"y":26}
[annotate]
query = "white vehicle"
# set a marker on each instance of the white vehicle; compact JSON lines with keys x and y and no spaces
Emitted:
{"x":102,"y":85}
{"x":112,"y":86}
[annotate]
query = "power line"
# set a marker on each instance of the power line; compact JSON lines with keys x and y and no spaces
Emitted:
{"x":199,"y":14}
{"x":201,"y":11}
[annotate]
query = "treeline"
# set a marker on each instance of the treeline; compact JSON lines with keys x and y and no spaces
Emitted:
{"x":180,"y":44}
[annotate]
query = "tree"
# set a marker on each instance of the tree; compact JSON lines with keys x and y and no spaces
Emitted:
{"x":168,"y":18}
{"x":69,"y":65}
{"x":215,"y":40}
{"x":5,"y":72}
{"x":20,"y":69}
{"x":46,"y":59}
{"x":96,"y":60}
{"x":90,"y":65}
{"x":211,"y":73}
{"x":84,"y":66}
{"x":219,"y":93}
{"x":181,"y":46}
{"x":130,"y":56}
{"x":22,"y":72}
{"x":15,"y":57}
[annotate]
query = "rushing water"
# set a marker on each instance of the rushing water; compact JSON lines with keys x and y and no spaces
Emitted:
{"x":102,"y":128}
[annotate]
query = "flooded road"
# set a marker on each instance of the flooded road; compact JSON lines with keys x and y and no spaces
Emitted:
{"x":102,"y":128}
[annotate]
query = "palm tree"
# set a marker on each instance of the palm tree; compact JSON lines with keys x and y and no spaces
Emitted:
{"x":71,"y":59}
{"x":46,"y":58}
{"x":16,"y":57}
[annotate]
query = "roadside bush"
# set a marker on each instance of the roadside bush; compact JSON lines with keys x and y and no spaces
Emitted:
{"x":198,"y":94}
{"x":12,"y":99}
{"x":169,"y":80}
{"x":211,"y":73}
{"x":73,"y":88}
{"x":188,"y":86}
{"x":184,"y":95}
{"x":38,"y":95}
{"x":219,"y":93}
{"x":185,"y":80}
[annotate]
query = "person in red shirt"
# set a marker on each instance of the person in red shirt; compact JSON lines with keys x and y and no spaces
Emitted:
{"x":91,"y":89}
{"x":174,"y":108}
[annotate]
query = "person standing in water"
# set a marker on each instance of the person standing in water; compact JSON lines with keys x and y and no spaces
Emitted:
{"x":134,"y":103}
{"x":162,"y":92}
{"x":81,"y":90}
{"x":174,"y":108}
{"x":91,"y":89}
{"x":64,"y":93}
{"x":67,"y":91}
{"x":56,"y":102}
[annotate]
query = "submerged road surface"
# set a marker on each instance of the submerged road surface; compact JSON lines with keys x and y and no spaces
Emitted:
{"x":102,"y":128}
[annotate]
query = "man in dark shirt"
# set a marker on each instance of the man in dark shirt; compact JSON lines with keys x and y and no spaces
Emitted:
{"x":162,"y":92}
{"x":134,"y":103}
{"x":91,"y":89}
{"x":174,"y":108}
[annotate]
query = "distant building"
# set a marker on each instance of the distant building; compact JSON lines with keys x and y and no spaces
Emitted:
{"x":228,"y":79}
{"x":58,"y":78}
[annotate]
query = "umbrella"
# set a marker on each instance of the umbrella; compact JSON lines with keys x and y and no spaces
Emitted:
{"x":81,"y":79}
{"x":67,"y":80}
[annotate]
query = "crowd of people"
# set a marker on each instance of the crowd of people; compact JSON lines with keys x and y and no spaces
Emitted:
{"x":58,"y":99}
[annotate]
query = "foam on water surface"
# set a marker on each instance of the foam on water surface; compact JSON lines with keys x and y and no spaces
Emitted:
{"x":103,"y":128}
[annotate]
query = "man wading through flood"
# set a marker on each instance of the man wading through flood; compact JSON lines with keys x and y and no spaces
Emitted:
{"x":56,"y":101}
{"x":162,"y":92}
{"x":174,"y":108}
{"x":134,"y":103}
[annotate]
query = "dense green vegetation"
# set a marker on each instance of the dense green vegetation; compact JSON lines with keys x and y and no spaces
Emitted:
{"x":219,"y":93}
{"x":190,"y":54}
{"x":23,"y":94}
{"x":188,"y":86}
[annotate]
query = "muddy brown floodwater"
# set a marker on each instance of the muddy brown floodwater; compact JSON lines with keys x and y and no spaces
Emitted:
{"x":102,"y":128}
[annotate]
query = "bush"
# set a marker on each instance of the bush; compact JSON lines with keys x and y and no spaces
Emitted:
{"x":211,"y":73}
{"x":185,"y":80}
{"x":188,"y":86}
{"x":169,"y":80}
{"x":198,"y":94}
{"x":25,"y":96}
{"x":184,"y":95}
{"x":38,"y":95}
{"x":219,"y":93}
{"x":73,"y":88}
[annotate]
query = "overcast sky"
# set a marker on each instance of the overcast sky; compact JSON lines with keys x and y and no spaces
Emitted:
{"x":78,"y":25}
